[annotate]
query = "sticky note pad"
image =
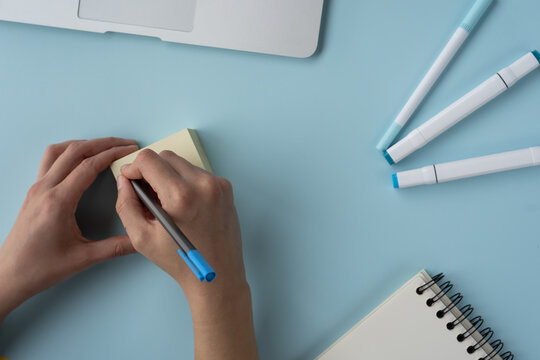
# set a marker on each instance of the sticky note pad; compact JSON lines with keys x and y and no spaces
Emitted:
{"x":185,"y":143}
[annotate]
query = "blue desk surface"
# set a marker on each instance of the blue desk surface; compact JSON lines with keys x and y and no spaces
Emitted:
{"x":326,"y":237}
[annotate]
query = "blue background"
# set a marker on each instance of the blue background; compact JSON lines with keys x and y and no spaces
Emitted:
{"x":326,"y":237}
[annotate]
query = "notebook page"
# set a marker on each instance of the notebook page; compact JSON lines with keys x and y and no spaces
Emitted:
{"x":405,"y":328}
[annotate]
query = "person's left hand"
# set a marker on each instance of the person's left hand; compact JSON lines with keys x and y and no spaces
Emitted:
{"x":45,"y":246}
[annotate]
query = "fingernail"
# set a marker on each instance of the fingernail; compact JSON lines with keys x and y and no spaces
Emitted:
{"x":119,"y":182}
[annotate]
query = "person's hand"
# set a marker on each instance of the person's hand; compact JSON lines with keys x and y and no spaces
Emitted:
{"x":45,"y":246}
{"x":202,"y":205}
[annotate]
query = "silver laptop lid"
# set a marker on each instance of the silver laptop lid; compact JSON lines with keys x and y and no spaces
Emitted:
{"x":280,"y":27}
{"x":163,"y":14}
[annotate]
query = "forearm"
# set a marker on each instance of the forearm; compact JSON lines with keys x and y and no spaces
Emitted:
{"x":223,"y":327}
{"x":11,"y":295}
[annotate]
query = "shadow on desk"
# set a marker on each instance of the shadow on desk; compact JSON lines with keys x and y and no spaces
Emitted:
{"x":96,"y":214}
{"x":324,"y":27}
{"x":97,"y":219}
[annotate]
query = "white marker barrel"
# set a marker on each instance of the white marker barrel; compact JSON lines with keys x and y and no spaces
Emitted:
{"x":481,"y":95}
{"x":450,"y":50}
{"x":432,"y":75}
{"x":462,"y":169}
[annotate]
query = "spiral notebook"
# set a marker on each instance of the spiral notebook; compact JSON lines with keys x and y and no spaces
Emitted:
{"x":423,"y":320}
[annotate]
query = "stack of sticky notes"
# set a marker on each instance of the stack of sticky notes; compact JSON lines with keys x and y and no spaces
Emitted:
{"x":185,"y":143}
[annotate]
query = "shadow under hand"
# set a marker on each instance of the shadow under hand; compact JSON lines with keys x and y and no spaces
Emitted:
{"x":97,"y":219}
{"x":96,"y":214}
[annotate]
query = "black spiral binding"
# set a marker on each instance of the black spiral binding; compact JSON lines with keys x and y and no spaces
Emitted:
{"x":466,"y":312}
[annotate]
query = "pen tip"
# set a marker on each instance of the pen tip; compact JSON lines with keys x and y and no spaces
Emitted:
{"x":395,"y":181}
{"x":388,"y":157}
{"x":536,"y":55}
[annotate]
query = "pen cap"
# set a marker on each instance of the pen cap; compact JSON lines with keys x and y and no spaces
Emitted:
{"x":422,"y":176}
{"x":519,"y":69}
{"x":389,"y":136}
{"x":204,"y":268}
{"x":536,"y":55}
{"x":475,"y":14}
{"x":403,"y":148}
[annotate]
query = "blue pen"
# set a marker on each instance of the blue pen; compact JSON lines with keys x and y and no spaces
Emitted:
{"x":187,"y":251}
{"x":448,"y":53}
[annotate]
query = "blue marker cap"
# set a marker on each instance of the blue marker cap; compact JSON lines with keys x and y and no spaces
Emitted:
{"x":395,"y":181}
{"x":536,"y":55}
{"x":198,"y":265}
{"x":204,"y":268}
{"x":388,"y":157}
{"x":389,"y":136}
{"x":473,"y":17}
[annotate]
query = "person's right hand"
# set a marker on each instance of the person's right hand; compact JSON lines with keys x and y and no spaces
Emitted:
{"x":202,"y":206}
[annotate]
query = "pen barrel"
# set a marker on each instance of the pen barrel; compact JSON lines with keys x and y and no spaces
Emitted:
{"x":454,"y":44}
{"x":467,"y":168}
{"x":489,"y":164}
{"x":465,"y":106}
{"x":432,"y":75}
{"x":177,"y":235}
{"x":162,"y":216}
{"x":472,"y":101}
{"x":447,"y":118}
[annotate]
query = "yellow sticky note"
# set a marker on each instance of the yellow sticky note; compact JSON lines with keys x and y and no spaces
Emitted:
{"x":185,"y":143}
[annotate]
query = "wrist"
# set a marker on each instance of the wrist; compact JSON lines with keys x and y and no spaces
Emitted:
{"x":223,"y":325}
{"x":215,"y":305}
{"x":11,"y":292}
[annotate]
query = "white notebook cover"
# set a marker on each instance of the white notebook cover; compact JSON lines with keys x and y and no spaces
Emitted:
{"x":405,"y":328}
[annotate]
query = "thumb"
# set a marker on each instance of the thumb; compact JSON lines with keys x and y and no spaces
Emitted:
{"x":109,"y":248}
{"x":128,"y":206}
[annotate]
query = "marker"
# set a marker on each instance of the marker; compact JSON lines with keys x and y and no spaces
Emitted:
{"x":484,"y":93}
{"x":440,"y":64}
{"x":187,"y":251}
{"x":463,"y":169}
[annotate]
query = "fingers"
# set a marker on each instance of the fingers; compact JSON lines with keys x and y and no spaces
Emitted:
{"x":76,"y":152}
{"x":102,"y":250}
{"x":157,"y":173}
{"x":52,"y":152}
{"x":182,"y":166}
{"x":86,"y":172}
{"x":130,"y":210}
{"x":207,"y":183}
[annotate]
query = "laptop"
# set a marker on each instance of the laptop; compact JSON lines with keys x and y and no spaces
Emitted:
{"x":278,"y":27}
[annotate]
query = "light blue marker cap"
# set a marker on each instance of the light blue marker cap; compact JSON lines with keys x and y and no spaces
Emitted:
{"x":473,"y":17}
{"x":389,"y":136}
{"x":395,"y":181}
